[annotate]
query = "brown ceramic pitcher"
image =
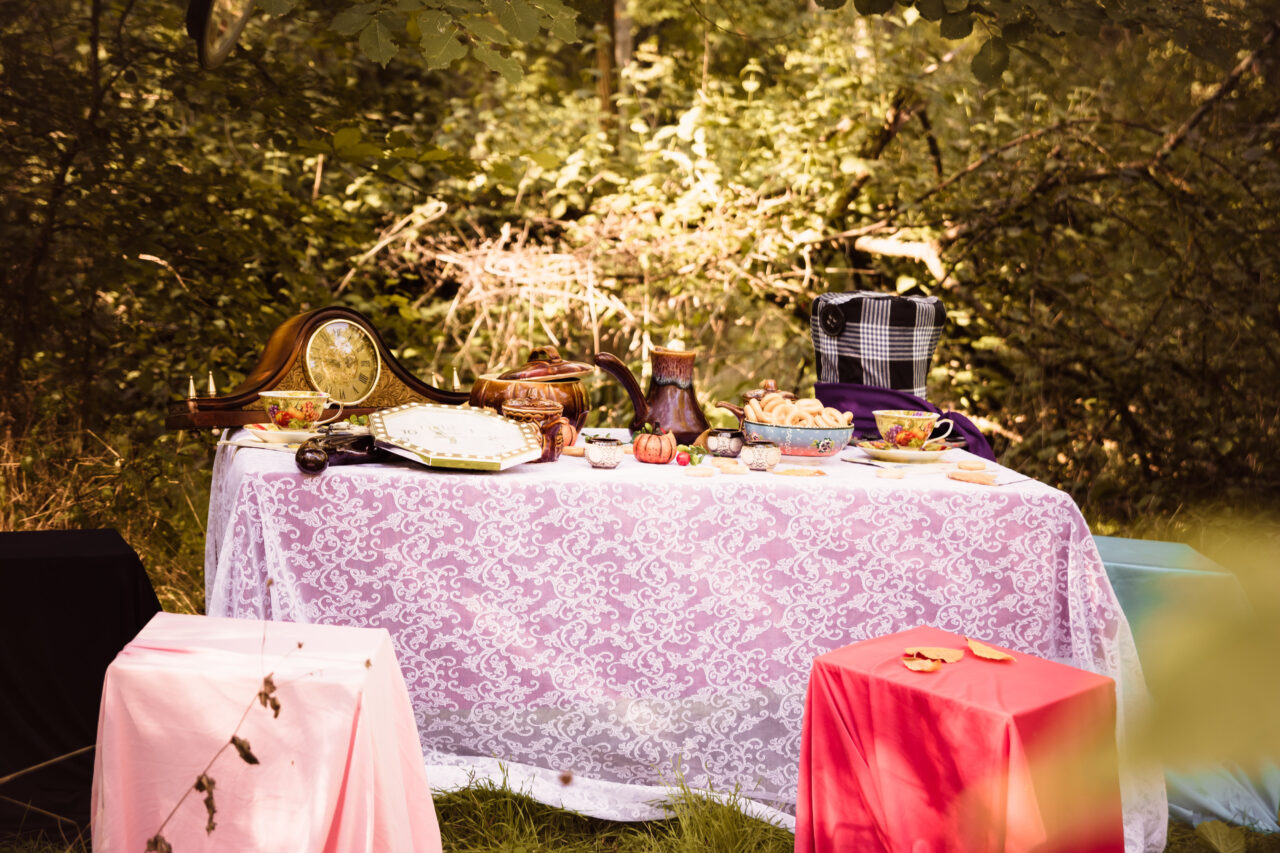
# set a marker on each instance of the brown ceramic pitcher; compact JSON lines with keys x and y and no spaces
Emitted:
{"x":547,"y":416}
{"x":671,"y":402}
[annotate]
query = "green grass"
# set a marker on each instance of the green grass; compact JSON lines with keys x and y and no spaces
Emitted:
{"x":490,"y":818}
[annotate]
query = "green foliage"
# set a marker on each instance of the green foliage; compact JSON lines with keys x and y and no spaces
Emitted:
{"x":1113,"y":302}
{"x":442,"y":32}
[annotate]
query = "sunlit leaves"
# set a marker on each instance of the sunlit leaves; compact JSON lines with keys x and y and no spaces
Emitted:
{"x":517,"y":18}
{"x":504,"y":65}
{"x":348,"y":22}
{"x":447,"y":32}
{"x":440,"y":47}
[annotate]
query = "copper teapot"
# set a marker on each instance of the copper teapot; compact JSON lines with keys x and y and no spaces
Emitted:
{"x":671,"y":402}
{"x":545,"y":376}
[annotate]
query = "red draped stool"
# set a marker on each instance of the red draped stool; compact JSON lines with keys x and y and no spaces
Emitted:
{"x":1009,"y":756}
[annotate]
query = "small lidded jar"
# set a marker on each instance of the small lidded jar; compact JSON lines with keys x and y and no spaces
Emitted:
{"x":760,"y":455}
{"x":725,"y":442}
{"x":604,"y":452}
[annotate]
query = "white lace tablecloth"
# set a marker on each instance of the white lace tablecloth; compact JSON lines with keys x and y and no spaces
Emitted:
{"x":638,"y":626}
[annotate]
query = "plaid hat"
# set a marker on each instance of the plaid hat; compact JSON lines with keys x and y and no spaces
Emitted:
{"x":876,"y":338}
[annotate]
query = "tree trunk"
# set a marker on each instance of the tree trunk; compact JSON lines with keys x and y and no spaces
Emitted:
{"x":606,"y":65}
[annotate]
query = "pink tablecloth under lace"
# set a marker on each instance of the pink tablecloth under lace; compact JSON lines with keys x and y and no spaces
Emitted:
{"x":638,"y":626}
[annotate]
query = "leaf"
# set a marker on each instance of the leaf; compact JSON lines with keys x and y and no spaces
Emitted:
{"x":1017,"y":30}
{"x":205,"y":784}
{"x":931,"y":10}
{"x":266,"y":696}
{"x":1221,"y":837}
{"x":556,"y":10}
{"x":157,"y":844}
{"x":430,"y":154}
{"x":982,"y":650}
{"x":483,"y":28}
{"x":941,"y":653}
{"x":921,"y":664}
{"x":566,"y":29}
{"x":873,"y":7}
{"x":439,"y":46}
{"x":956,"y":26}
{"x":242,"y":747}
{"x":518,"y":18}
{"x":348,"y":22}
{"x":376,"y":41}
{"x":507,"y":67}
{"x":990,"y":61}
{"x":346,"y":137}
{"x":545,"y":159}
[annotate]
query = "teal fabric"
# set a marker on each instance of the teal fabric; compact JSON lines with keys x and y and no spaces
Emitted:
{"x":1147,"y":576}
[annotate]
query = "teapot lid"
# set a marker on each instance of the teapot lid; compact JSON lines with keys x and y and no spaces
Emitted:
{"x":546,"y":365}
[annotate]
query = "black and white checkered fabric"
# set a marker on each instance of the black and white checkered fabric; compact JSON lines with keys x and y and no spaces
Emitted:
{"x":876,"y":338}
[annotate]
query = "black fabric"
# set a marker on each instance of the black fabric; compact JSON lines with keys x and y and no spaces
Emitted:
{"x":70,"y":600}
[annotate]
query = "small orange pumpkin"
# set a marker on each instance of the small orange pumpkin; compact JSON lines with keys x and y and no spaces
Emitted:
{"x":568,"y":433}
{"x":657,"y":448}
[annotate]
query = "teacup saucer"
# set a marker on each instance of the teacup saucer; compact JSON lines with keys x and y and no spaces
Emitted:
{"x":272,"y":434}
{"x":886,"y":452}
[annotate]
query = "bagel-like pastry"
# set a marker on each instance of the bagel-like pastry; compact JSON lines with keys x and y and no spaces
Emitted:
{"x":754,"y":412}
{"x":809,"y":406}
{"x":799,"y":418}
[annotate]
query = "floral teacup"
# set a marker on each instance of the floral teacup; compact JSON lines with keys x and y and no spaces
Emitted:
{"x":300,"y":410}
{"x":907,"y":429}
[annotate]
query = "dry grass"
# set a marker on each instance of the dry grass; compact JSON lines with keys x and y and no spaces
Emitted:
{"x":155,"y":495}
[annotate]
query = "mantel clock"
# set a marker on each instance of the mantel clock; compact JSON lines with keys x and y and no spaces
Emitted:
{"x":334,"y":350}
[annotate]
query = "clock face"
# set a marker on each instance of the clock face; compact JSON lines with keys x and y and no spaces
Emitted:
{"x":342,"y":360}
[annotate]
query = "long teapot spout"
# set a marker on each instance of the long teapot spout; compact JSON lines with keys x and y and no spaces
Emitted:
{"x":613,"y":366}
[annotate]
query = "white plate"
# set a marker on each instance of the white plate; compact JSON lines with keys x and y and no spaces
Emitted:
{"x":455,"y":436}
{"x":901,"y":454}
{"x":273,"y":435}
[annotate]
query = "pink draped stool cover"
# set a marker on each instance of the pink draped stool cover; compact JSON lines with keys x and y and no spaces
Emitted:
{"x":341,"y":767}
{"x":977,"y":757}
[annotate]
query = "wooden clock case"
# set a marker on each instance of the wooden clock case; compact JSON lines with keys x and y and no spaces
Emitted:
{"x":281,"y":367}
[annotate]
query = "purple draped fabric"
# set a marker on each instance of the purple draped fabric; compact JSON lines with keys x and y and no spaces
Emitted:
{"x":862,"y":400}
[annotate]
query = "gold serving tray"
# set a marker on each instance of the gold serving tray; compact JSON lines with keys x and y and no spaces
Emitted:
{"x":455,"y":436}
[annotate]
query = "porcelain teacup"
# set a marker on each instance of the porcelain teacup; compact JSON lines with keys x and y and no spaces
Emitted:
{"x":298,"y":410}
{"x":908,"y":429}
